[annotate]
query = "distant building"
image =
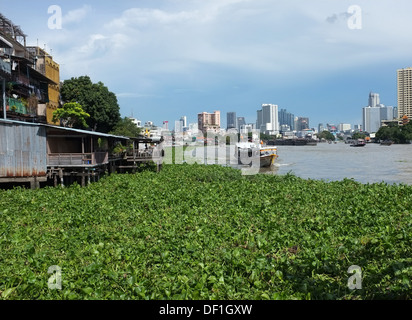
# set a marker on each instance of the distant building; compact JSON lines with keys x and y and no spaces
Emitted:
{"x":342,"y":127}
{"x":395,"y":113}
{"x":302,"y":124}
{"x":137,"y":122}
{"x":371,"y":117}
{"x":240,"y":122}
{"x":375,"y":113}
{"x":286,"y":118}
{"x":386,"y":112}
{"x":374,"y":99}
{"x":183,"y":121}
{"x":405,"y":92}
{"x":358,"y":127}
{"x":181,"y":125}
{"x":321,"y":128}
{"x":267,"y":119}
{"x":331,"y":127}
{"x":285,"y":128}
{"x":209,"y":122}
{"x":231,"y":120}
{"x":246,"y":128}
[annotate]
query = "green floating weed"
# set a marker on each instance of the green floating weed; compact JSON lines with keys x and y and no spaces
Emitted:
{"x":207,"y":232}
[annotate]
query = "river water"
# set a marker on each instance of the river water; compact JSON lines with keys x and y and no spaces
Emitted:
{"x":369,"y":164}
{"x":334,"y":162}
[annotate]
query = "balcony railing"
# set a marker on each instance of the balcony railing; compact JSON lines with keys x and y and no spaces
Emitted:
{"x":77,"y":159}
{"x":19,"y":78}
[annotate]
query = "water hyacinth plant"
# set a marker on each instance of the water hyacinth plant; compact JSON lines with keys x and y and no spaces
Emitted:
{"x":207,"y":232}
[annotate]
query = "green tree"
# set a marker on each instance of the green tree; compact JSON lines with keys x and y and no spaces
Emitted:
{"x":126,"y":128}
{"x":326,"y":135}
{"x":398,"y":134}
{"x":358,"y":135}
{"x":96,"y":100}
{"x":71,"y":115}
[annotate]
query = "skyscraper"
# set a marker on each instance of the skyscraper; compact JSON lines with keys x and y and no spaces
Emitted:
{"x":374,"y":99}
{"x":374,"y":113}
{"x":371,"y":117}
{"x":405,"y":92}
{"x":231,"y":120}
{"x":286,"y":118}
{"x":267,"y":119}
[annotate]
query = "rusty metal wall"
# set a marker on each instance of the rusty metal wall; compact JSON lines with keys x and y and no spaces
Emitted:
{"x":23,"y":150}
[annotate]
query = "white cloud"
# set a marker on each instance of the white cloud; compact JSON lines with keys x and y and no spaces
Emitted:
{"x":197,"y":44}
{"x":77,"y":15}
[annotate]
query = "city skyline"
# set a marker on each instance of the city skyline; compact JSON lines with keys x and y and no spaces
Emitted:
{"x":168,"y":58}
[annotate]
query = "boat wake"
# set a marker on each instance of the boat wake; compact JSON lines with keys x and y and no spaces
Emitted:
{"x":283,"y":164}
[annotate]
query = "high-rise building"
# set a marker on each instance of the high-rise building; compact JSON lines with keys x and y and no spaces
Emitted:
{"x":267,"y":119}
{"x":371,"y":117}
{"x":209,"y":121}
{"x":375,"y":113}
{"x":374,"y":99}
{"x":231,"y":120}
{"x":286,"y":118}
{"x":405,"y":92}
{"x":386,"y":112}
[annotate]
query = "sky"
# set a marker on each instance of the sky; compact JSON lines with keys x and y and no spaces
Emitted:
{"x":170,"y":58}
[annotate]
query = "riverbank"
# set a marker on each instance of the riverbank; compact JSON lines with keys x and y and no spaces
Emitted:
{"x":207,"y":232}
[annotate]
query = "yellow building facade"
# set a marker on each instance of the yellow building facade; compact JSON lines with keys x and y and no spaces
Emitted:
{"x":45,"y":64}
{"x":53,"y":73}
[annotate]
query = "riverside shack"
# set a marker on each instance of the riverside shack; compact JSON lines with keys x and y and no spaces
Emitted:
{"x":34,"y":153}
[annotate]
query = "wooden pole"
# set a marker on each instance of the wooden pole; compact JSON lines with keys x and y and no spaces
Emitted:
{"x":4,"y":97}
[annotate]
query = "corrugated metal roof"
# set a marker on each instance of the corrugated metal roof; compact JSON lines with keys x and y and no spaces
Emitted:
{"x":100,"y":134}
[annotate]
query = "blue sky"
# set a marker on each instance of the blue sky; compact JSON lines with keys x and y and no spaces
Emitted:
{"x":165,"y":59}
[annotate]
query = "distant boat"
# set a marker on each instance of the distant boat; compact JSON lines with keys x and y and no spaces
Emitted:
{"x":386,"y":143}
{"x":358,"y":143}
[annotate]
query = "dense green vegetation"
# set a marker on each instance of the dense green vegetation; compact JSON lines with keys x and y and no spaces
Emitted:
{"x":126,"y":128}
{"x":71,"y":115}
{"x":207,"y":232}
{"x":398,"y":134}
{"x":358,"y":135}
{"x":326,"y":135}
{"x":96,"y":99}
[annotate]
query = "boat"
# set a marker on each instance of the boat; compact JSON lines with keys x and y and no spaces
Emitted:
{"x":386,"y":143}
{"x":267,"y":155}
{"x":358,"y":143}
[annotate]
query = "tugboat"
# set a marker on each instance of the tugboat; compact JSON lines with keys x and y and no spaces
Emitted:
{"x":386,"y":143}
{"x":358,"y":143}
